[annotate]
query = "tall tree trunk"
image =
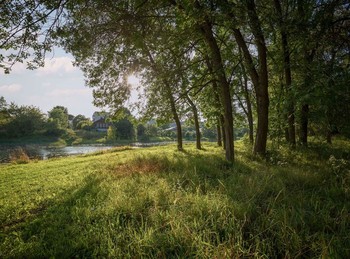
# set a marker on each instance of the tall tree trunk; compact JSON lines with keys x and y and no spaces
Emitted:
{"x":248,"y":104}
{"x":177,"y":121}
{"x":259,"y":78}
{"x":196,"y":122}
{"x":218,"y":133}
{"x":262,"y":89}
{"x":221,"y":129}
{"x":222,"y":122}
{"x":170,"y":97}
{"x":206,"y":30}
{"x":287,"y":74}
{"x":304,"y":120}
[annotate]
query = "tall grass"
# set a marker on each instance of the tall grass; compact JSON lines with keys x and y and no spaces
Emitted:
{"x":157,"y":202}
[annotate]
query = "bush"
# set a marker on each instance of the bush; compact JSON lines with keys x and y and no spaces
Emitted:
{"x":111,"y":135}
{"x":19,"y":156}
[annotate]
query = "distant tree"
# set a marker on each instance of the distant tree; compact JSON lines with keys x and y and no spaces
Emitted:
{"x":84,"y":124}
{"x":77,"y":119}
{"x":141,"y":133}
{"x":60,"y":115}
{"x":111,"y":135}
{"x":4,"y":115}
{"x":125,"y":129}
{"x":24,"y":120}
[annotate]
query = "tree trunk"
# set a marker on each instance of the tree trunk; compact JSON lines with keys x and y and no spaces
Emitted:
{"x":170,"y":98}
{"x":304,"y":120}
{"x":287,"y":74}
{"x":262,"y":89}
{"x":196,"y":122}
{"x":249,"y":106}
{"x":222,"y":122}
{"x":218,"y":132}
{"x":221,"y":129}
{"x":206,"y":29}
{"x":260,"y":80}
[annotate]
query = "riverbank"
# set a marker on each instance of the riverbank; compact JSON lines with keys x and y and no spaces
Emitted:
{"x":158,"y":202}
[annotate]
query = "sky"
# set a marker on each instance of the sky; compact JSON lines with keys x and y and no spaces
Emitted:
{"x":57,"y":83}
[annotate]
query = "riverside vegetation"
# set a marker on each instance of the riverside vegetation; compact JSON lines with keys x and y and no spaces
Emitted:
{"x":158,"y":202}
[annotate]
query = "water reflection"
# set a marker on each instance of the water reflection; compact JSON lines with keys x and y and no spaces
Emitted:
{"x":44,"y":152}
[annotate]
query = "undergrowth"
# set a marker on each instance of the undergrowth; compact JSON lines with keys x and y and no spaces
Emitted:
{"x":157,"y":202}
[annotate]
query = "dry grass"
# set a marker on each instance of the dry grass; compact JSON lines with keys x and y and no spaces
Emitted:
{"x":19,"y":156}
{"x":142,"y":165}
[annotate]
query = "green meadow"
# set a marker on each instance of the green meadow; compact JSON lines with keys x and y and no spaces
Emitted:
{"x":161,"y":203}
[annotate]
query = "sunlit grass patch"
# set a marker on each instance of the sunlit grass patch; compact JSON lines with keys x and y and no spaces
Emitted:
{"x":158,"y":202}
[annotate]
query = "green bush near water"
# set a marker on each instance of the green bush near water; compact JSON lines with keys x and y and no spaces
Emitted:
{"x":157,"y":202}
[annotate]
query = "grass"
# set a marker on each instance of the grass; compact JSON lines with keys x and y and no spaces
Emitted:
{"x":158,"y":202}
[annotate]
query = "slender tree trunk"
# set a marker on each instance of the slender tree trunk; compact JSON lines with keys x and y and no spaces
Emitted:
{"x":196,"y":122}
{"x":249,"y":106}
{"x":170,"y":98}
{"x":206,"y":29}
{"x":221,"y":129}
{"x":222,"y":122}
{"x":178,"y":124}
{"x":304,"y":120}
{"x":262,"y":89}
{"x":218,"y":133}
{"x":260,"y":80}
{"x":287,"y":74}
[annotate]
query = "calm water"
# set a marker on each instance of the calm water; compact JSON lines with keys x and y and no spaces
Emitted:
{"x":44,"y":152}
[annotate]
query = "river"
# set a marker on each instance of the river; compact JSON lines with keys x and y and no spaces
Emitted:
{"x":46,"y":152}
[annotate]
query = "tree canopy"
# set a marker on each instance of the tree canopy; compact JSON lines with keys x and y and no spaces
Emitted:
{"x":280,"y":67}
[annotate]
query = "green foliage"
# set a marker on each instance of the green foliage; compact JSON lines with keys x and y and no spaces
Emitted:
{"x":124,"y":129}
{"x":22,"y":120}
{"x":59,"y":114}
{"x":111,"y":135}
{"x":77,"y":119}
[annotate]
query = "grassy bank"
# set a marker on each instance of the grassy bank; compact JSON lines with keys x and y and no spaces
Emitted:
{"x":158,"y":202}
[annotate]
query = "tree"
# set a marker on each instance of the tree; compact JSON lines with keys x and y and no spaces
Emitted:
{"x":24,"y":120}
{"x":77,"y":119}
{"x":26,"y":30}
{"x":59,"y":114}
{"x":111,"y":135}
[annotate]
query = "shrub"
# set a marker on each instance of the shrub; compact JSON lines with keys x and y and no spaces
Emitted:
{"x":19,"y":156}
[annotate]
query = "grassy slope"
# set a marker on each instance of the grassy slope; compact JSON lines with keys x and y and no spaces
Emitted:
{"x":157,"y":202}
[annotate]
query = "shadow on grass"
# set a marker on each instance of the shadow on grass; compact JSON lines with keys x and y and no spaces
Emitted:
{"x":58,"y":229}
{"x":282,"y":211}
{"x":273,"y":213}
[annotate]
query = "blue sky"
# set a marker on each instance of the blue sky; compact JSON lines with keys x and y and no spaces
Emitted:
{"x":58,"y":83}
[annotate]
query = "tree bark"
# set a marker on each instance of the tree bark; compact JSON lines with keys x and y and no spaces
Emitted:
{"x":222,"y":122}
{"x":218,"y":133}
{"x":206,"y":30}
{"x":196,"y":122}
{"x":262,"y":89}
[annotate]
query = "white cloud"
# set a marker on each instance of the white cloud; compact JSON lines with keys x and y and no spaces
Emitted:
{"x":58,"y":65}
{"x":69,"y":92}
{"x":12,"y":88}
